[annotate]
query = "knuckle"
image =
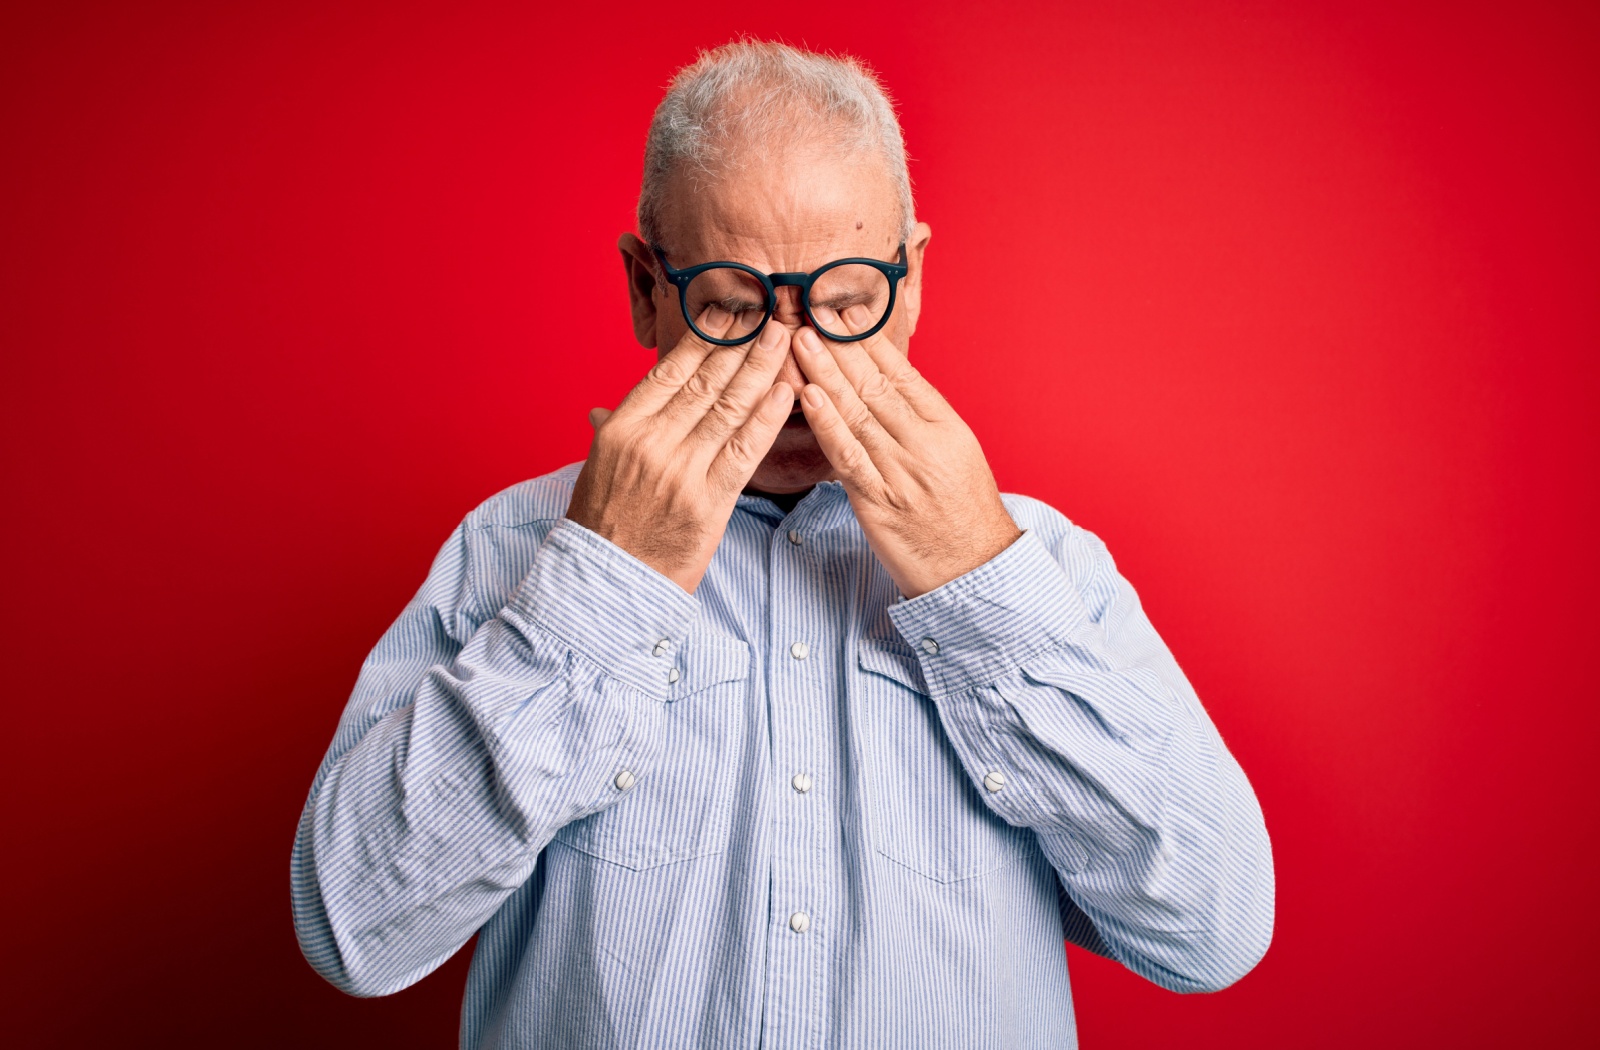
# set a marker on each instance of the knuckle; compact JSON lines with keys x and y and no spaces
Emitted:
{"x":905,"y":375}
{"x":851,"y":458}
{"x":725,"y":410}
{"x":700,"y":385}
{"x":876,"y":386}
{"x":856,"y":416}
{"x":741,"y":449}
{"x":720,"y":419}
{"x":669,"y":371}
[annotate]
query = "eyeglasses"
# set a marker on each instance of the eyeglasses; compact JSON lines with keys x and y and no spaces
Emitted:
{"x":751,"y":296}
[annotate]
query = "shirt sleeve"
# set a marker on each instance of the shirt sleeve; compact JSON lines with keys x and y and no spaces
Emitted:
{"x":469,"y":740}
{"x":1072,"y":719}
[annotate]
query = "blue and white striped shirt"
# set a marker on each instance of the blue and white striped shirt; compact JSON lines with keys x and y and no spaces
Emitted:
{"x":792,"y":809}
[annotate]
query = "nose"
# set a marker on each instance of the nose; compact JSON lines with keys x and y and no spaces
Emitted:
{"x":789,"y":372}
{"x":789,"y":313}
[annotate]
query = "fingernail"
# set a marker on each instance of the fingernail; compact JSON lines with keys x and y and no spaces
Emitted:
{"x":858,"y":316}
{"x":807,"y":338}
{"x":771,"y":336}
{"x":715,"y":317}
{"x":813,"y":396}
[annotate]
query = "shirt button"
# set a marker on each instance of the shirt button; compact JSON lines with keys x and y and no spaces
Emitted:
{"x":995,"y":780}
{"x":930,"y":646}
{"x":661,"y":648}
{"x":794,"y":537}
{"x":672,"y":675}
{"x":624,"y":780}
{"x":799,"y":651}
{"x":801,"y":782}
{"x":799,"y":922}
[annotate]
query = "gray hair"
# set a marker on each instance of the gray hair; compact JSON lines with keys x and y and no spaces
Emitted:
{"x":728,"y":106}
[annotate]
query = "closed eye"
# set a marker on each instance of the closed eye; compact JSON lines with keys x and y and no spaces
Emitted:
{"x":840,"y":303}
{"x":735,"y":305}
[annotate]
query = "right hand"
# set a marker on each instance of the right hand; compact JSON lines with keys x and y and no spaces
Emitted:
{"x":667,"y":467}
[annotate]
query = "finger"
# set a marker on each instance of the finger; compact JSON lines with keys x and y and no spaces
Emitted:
{"x":598,"y":416}
{"x":678,"y":365}
{"x":924,"y":399}
{"x":817,"y":361}
{"x":738,"y":459}
{"x":838,"y":442}
{"x":740,"y":398}
{"x":689,"y":404}
{"x":872,"y":384}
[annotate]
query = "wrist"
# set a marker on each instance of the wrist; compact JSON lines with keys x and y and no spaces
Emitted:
{"x":656,"y":547}
{"x":927,"y":575}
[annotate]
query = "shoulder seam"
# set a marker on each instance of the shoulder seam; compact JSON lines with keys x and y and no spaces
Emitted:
{"x":487,"y":525}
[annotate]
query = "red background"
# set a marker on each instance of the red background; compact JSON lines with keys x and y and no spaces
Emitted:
{"x":1294,"y":304}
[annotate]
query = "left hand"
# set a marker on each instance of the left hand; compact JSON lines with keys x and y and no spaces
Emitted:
{"x":918,"y":481}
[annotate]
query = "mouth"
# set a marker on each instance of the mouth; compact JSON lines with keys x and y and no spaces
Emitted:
{"x":797,"y":417}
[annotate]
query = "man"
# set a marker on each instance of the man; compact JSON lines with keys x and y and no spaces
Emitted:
{"x":773,"y":723}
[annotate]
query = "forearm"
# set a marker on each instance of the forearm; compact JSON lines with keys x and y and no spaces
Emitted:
{"x":1048,"y":675}
{"x":1186,"y":901}
{"x":1162,"y":848}
{"x":417,"y":830}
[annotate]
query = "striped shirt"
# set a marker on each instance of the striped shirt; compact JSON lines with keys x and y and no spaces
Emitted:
{"x":793,"y":809}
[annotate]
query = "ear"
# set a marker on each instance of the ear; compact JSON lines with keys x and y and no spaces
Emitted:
{"x":910,"y":294}
{"x":640,"y":264}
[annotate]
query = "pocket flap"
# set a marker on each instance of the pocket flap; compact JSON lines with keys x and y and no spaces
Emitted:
{"x":705,"y":661}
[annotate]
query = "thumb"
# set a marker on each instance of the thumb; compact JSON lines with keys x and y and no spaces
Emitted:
{"x":598,"y":416}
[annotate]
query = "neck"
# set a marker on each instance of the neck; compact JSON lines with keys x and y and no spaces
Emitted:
{"x":785,"y":500}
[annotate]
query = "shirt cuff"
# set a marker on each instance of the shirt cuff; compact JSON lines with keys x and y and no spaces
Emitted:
{"x":606,"y":604}
{"x":985,"y":623}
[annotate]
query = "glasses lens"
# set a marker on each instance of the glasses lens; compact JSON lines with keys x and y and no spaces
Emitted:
{"x":837,"y":290}
{"x":736,"y":291}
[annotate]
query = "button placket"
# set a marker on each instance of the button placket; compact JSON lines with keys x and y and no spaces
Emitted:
{"x":804,"y":724}
{"x":799,"y":722}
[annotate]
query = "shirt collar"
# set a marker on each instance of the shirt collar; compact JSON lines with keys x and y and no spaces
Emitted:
{"x":827,"y":503}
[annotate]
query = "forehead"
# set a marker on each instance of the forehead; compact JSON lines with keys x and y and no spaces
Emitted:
{"x":789,"y":211}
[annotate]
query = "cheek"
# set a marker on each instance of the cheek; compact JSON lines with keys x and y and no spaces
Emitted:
{"x":898,"y":330}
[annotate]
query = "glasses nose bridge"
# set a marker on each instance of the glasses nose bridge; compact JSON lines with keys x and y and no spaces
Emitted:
{"x":788,"y":306}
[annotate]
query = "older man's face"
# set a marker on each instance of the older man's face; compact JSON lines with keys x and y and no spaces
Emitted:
{"x":792,"y":215}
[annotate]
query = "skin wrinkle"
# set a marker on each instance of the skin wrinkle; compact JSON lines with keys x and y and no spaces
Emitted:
{"x":668,"y":464}
{"x":803,"y":209}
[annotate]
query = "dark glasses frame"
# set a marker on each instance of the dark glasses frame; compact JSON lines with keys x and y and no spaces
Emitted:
{"x":773,"y":281}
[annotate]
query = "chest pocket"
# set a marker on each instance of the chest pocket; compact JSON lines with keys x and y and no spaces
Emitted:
{"x":680,"y":807}
{"x":927,"y":812}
